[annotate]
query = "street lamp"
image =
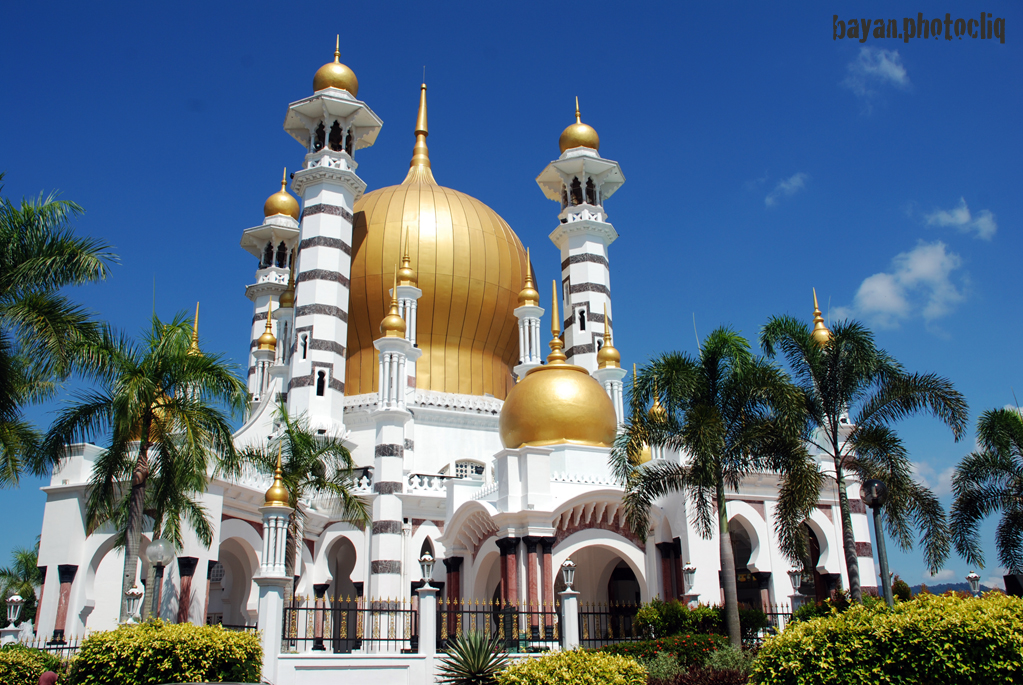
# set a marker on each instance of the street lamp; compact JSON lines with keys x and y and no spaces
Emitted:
{"x":688,"y":576}
{"x":974,"y":580}
{"x":14,"y":604}
{"x":874,"y":494}
{"x":426,"y":563}
{"x":796,"y":578}
{"x":568,"y":573}
{"x":134,"y":596}
{"x":159,"y":553}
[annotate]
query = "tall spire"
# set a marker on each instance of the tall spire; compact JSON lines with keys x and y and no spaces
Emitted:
{"x":608,"y":356}
{"x":267,"y":341}
{"x":284,"y":179}
{"x":820,"y":333}
{"x":393,"y":326}
{"x":556,"y":356}
{"x":406,"y":274}
{"x":193,"y":347}
{"x":277,"y":495}
{"x":337,"y":51}
{"x":528,"y":295}
{"x":419,"y":167}
{"x":578,"y":118}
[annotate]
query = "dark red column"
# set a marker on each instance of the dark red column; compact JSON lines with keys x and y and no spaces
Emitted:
{"x":186,"y":571}
{"x":680,"y":579}
{"x":206,"y":604}
{"x":547,"y":572}
{"x":453,"y":588}
{"x":509,"y":569}
{"x":533,"y":585}
{"x":66,"y":574}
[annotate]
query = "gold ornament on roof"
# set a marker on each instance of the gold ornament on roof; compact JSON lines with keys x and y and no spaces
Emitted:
{"x":820,"y":333}
{"x":193,"y":346}
{"x":393,"y":326}
{"x":336,"y":75}
{"x":645,"y":454}
{"x":277,"y":495}
{"x":528,"y":296}
{"x":288,"y":296}
{"x":267,"y":341}
{"x":419,"y":167}
{"x":578,"y":134}
{"x":657,"y":411}
{"x":406,"y":274}
{"x":608,"y":357}
{"x":556,"y":344}
{"x":282,"y":201}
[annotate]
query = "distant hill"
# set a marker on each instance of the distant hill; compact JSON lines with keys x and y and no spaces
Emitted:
{"x":942,"y":588}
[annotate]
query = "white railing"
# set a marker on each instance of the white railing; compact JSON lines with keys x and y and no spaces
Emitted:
{"x":426,"y":484}
{"x":582,"y":478}
{"x":485,"y":491}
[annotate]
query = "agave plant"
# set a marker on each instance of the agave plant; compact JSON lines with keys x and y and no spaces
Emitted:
{"x":472,"y":659}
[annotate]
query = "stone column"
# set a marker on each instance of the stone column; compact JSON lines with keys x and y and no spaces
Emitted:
{"x":428,"y":620}
{"x":667,"y":569}
{"x":386,"y":540}
{"x":319,"y":590}
{"x":66,"y":573}
{"x":680,"y":581}
{"x":569,"y":619}
{"x":509,"y":569}
{"x":206,"y":604}
{"x":39,"y":604}
{"x":186,"y":570}
{"x":547,"y":572}
{"x":454,"y":590}
{"x":532,"y":585}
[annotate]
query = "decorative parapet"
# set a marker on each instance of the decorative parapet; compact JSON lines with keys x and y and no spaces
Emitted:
{"x":426,"y":485}
{"x":485,"y":491}
{"x":583,"y":479}
{"x":458,"y":402}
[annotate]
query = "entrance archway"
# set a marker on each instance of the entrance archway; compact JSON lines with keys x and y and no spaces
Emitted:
{"x":344,"y":596}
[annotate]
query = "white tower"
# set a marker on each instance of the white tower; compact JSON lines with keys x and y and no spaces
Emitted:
{"x":331,"y":124}
{"x":272,"y":578}
{"x":528,"y":313}
{"x":581,"y":180}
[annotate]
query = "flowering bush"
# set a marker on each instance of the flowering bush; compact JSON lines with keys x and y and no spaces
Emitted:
{"x":930,"y":639}
{"x":576,"y":667}
{"x":22,"y":666}
{"x":690,"y":650}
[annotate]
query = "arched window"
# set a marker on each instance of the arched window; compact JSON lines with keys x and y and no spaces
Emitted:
{"x":282,"y":256}
{"x":348,"y":142}
{"x":577,"y":191}
{"x":305,"y":345}
{"x":321,"y":383}
{"x":591,"y":192}
{"x":582,"y":319}
{"x":268,"y":255}
{"x":335,"y":136}
{"x":318,"y":139}
{"x":427,"y":548}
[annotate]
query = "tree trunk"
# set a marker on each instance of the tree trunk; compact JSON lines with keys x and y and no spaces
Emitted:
{"x":135,"y":507}
{"x":728,"y":572}
{"x":852,"y":563}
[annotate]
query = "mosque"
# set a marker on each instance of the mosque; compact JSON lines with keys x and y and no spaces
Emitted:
{"x":407,"y":320}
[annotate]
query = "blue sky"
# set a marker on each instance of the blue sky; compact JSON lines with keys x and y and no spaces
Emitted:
{"x":763,"y":158}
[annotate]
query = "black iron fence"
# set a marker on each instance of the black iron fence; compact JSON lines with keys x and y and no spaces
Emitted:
{"x":343,"y":625}
{"x":520,"y":628}
{"x":607,"y":623}
{"x":65,"y":648}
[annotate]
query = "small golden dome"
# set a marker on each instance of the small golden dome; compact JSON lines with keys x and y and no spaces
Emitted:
{"x":288,"y":296}
{"x":406,"y":274}
{"x":528,"y":295}
{"x":277,"y":495}
{"x":336,"y":75}
{"x":657,"y":411}
{"x":267,"y":341}
{"x":578,"y":134}
{"x":820,"y":333}
{"x":281,"y":202}
{"x":393,"y":326}
{"x":558,"y":403}
{"x":644,"y":455}
{"x":608,"y":357}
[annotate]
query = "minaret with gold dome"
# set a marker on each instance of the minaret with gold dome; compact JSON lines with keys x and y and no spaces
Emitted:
{"x":528,"y":313}
{"x":581,"y":180}
{"x":609,"y":372}
{"x":332,"y":124}
{"x":273,"y":243}
{"x":272,"y":577}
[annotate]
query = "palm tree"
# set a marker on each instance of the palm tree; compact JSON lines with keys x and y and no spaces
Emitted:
{"x":22,"y":577}
{"x":853,"y":392}
{"x":39,"y":255}
{"x":160,"y":404}
{"x":312,"y":465}
{"x":730,"y":414}
{"x":987,"y":481}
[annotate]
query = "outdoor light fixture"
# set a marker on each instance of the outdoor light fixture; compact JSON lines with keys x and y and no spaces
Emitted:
{"x":974,"y":580}
{"x":874,"y":494}
{"x":159,"y":553}
{"x":426,"y":564}
{"x":134,"y":596}
{"x":688,"y":575}
{"x":14,"y":603}
{"x":568,"y":573}
{"x":796,"y":577}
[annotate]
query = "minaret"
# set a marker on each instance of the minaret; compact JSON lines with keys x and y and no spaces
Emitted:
{"x":388,"y":472}
{"x":528,"y":313}
{"x":331,"y":124}
{"x":272,"y":243}
{"x":266,"y":350}
{"x":609,"y":372}
{"x":272,"y":578}
{"x":581,"y":180}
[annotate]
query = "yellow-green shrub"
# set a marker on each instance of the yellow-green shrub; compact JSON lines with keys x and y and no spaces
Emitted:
{"x":574,"y":667}
{"x":157,"y":652}
{"x":930,"y":639}
{"x":22,"y":666}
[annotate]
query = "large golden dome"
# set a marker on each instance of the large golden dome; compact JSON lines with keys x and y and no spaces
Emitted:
{"x":470,"y":266}
{"x":557,"y":404}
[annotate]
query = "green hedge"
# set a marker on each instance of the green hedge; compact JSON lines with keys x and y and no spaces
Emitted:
{"x":930,"y":639}
{"x":21,"y":665}
{"x":576,"y":666}
{"x":156,"y":652}
{"x":690,"y":650}
{"x":658,"y":619}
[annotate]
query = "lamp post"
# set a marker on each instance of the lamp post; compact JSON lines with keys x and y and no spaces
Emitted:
{"x":569,"y":607}
{"x":159,"y":553}
{"x":688,"y":577}
{"x":426,"y":641}
{"x":974,"y":580}
{"x":134,"y":597}
{"x":796,"y":578}
{"x":568,"y":573}
{"x":874,"y":494}
{"x":426,"y":563}
{"x":11,"y":632}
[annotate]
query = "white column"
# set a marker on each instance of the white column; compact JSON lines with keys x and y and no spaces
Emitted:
{"x":427,"y":620}
{"x":272,"y":582}
{"x":529,"y":338}
{"x":570,"y":618}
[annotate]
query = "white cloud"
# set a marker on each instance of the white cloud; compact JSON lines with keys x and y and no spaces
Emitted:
{"x":945,"y":575}
{"x":982,"y":225}
{"x":919,"y":283}
{"x":872,"y":69}
{"x":939,"y":482}
{"x":996,"y":579}
{"x":786,"y":188}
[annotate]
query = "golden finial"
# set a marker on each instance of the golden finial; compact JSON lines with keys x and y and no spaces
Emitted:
{"x":657,"y":412}
{"x":528,"y":295}
{"x":277,"y":495}
{"x":556,"y":356}
{"x":608,"y":357}
{"x":288,"y":296}
{"x":337,"y":49}
{"x":578,"y":119}
{"x":284,"y":179}
{"x":419,"y":170}
{"x":820,"y":333}
{"x":193,"y":347}
{"x":393,"y":326}
{"x":578,"y":134}
{"x":406,"y":274}
{"x":267,"y":341}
